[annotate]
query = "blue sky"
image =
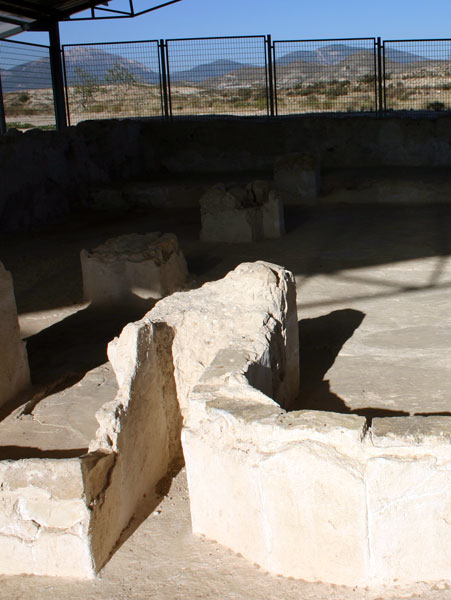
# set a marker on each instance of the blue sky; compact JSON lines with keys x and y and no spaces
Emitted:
{"x":283,"y":19}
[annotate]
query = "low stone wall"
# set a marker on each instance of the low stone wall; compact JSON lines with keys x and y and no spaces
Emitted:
{"x":312,"y":495}
{"x":62,"y":512}
{"x":58,"y":169}
{"x":14,"y":371}
{"x":315,"y":496}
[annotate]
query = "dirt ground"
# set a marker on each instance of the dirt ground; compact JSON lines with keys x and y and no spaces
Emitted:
{"x":373,"y":301}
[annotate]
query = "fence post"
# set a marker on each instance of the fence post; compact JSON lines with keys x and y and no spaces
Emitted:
{"x":66,"y":85}
{"x":2,"y":111}
{"x":164,"y":79}
{"x":270,"y":90}
{"x":379,"y":78}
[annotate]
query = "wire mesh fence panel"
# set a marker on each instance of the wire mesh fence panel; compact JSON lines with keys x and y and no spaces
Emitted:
{"x":317,"y":76}
{"x":112,"y":80}
{"x":417,"y":75}
{"x":26,"y":83}
{"x":214,"y":76}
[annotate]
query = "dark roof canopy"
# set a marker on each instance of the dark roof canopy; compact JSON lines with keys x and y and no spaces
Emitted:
{"x":17,"y":16}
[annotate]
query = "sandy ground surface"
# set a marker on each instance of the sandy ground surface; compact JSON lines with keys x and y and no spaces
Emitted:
{"x":375,"y":329}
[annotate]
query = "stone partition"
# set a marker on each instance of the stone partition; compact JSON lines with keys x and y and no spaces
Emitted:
{"x":14,"y":371}
{"x":64,"y":507}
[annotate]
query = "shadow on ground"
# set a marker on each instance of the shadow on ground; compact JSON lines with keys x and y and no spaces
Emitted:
{"x":62,"y":354}
{"x":320,"y":342}
{"x":326,"y":239}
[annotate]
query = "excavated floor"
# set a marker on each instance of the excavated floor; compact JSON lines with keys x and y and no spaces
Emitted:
{"x":375,"y":329}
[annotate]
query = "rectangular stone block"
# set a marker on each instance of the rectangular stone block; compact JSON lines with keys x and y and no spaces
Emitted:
{"x":241,"y":215}
{"x":225,"y":498}
{"x":409,"y":519}
{"x":132,"y":267}
{"x":315,"y":514}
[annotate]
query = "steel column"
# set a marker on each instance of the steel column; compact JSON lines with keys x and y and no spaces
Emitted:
{"x":380,"y":77}
{"x":164,"y":79}
{"x":56,"y":68}
{"x":2,"y":111}
{"x":270,"y":75}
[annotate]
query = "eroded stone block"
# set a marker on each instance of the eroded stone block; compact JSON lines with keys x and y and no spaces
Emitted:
{"x":226,"y":217}
{"x":44,"y":519}
{"x":14,"y":371}
{"x":133,"y":266}
{"x":241,"y":215}
{"x":245,"y":297}
{"x":297,"y":177}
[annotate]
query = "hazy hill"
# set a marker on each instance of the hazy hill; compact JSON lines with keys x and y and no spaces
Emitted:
{"x":217,"y":68}
{"x":81,"y":62}
{"x":97,"y":63}
{"x":329,"y":55}
{"x":333,"y":54}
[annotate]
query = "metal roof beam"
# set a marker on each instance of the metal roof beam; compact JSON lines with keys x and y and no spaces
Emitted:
{"x":120,"y":14}
{"x":36,"y":9}
{"x":13,"y":20}
{"x":25,"y":11}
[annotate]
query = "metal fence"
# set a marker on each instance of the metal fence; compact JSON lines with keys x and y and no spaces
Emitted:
{"x":239,"y":76}
{"x":417,"y":75}
{"x":325,"y":76}
{"x":26,"y":83}
{"x":113,"y":80}
{"x":214,"y":76}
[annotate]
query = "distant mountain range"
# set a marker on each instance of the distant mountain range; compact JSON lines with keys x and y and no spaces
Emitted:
{"x":333,"y":54}
{"x":91,"y":64}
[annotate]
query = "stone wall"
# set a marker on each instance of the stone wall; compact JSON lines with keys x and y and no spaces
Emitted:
{"x":57,"y":169}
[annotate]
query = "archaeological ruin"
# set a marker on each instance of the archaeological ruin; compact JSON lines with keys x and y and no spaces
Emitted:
{"x":293,"y":361}
{"x":224,"y":304}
